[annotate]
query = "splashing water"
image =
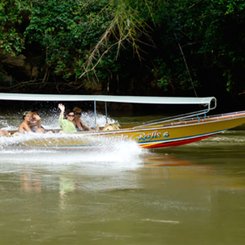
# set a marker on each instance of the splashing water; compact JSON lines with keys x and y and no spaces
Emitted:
{"x":114,"y":153}
{"x":107,"y":153}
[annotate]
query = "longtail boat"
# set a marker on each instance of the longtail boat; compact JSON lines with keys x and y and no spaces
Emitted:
{"x":168,"y":132}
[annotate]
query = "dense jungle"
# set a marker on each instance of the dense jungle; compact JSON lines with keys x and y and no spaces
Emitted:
{"x":124,"y":47}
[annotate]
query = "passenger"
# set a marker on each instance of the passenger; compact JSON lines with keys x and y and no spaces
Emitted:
{"x":4,"y":132}
{"x":35,"y":123}
{"x":80,"y":126}
{"x":67,"y":125}
{"x":25,"y":125}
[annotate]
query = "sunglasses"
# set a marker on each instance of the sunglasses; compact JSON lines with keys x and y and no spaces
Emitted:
{"x":70,"y":115}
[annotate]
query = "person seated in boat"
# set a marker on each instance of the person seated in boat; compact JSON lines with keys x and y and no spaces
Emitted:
{"x":80,"y":125}
{"x":24,"y":127}
{"x":4,"y":132}
{"x":35,"y":123}
{"x":67,"y":124}
{"x":31,"y":123}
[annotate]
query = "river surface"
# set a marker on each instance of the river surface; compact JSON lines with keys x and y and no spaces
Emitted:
{"x":192,"y":194}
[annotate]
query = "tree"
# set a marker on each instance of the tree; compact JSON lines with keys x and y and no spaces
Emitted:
{"x":169,"y":47}
{"x":14,"y":16}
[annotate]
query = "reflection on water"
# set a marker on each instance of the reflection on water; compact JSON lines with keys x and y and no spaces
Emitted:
{"x":30,"y":181}
{"x":125,"y":195}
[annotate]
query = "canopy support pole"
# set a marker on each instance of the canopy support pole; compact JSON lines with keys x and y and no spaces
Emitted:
{"x":95,"y":116}
{"x":106,"y":114}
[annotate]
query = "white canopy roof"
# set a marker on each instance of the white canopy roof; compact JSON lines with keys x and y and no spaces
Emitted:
{"x":109,"y":98}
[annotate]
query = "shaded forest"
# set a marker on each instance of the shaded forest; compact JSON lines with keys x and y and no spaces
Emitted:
{"x":124,"y":47}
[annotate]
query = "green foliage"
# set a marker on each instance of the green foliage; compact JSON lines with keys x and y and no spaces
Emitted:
{"x":212,"y":37}
{"x":13,"y":19}
{"x":66,"y":30}
{"x":184,"y":45}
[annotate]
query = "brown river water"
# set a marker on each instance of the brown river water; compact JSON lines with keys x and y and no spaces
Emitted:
{"x":193,"y":194}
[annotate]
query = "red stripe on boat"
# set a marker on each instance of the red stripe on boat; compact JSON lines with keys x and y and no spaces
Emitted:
{"x":175,"y":143}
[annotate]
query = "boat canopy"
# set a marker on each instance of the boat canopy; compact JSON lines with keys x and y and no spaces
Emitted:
{"x":111,"y":98}
{"x":208,"y":102}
